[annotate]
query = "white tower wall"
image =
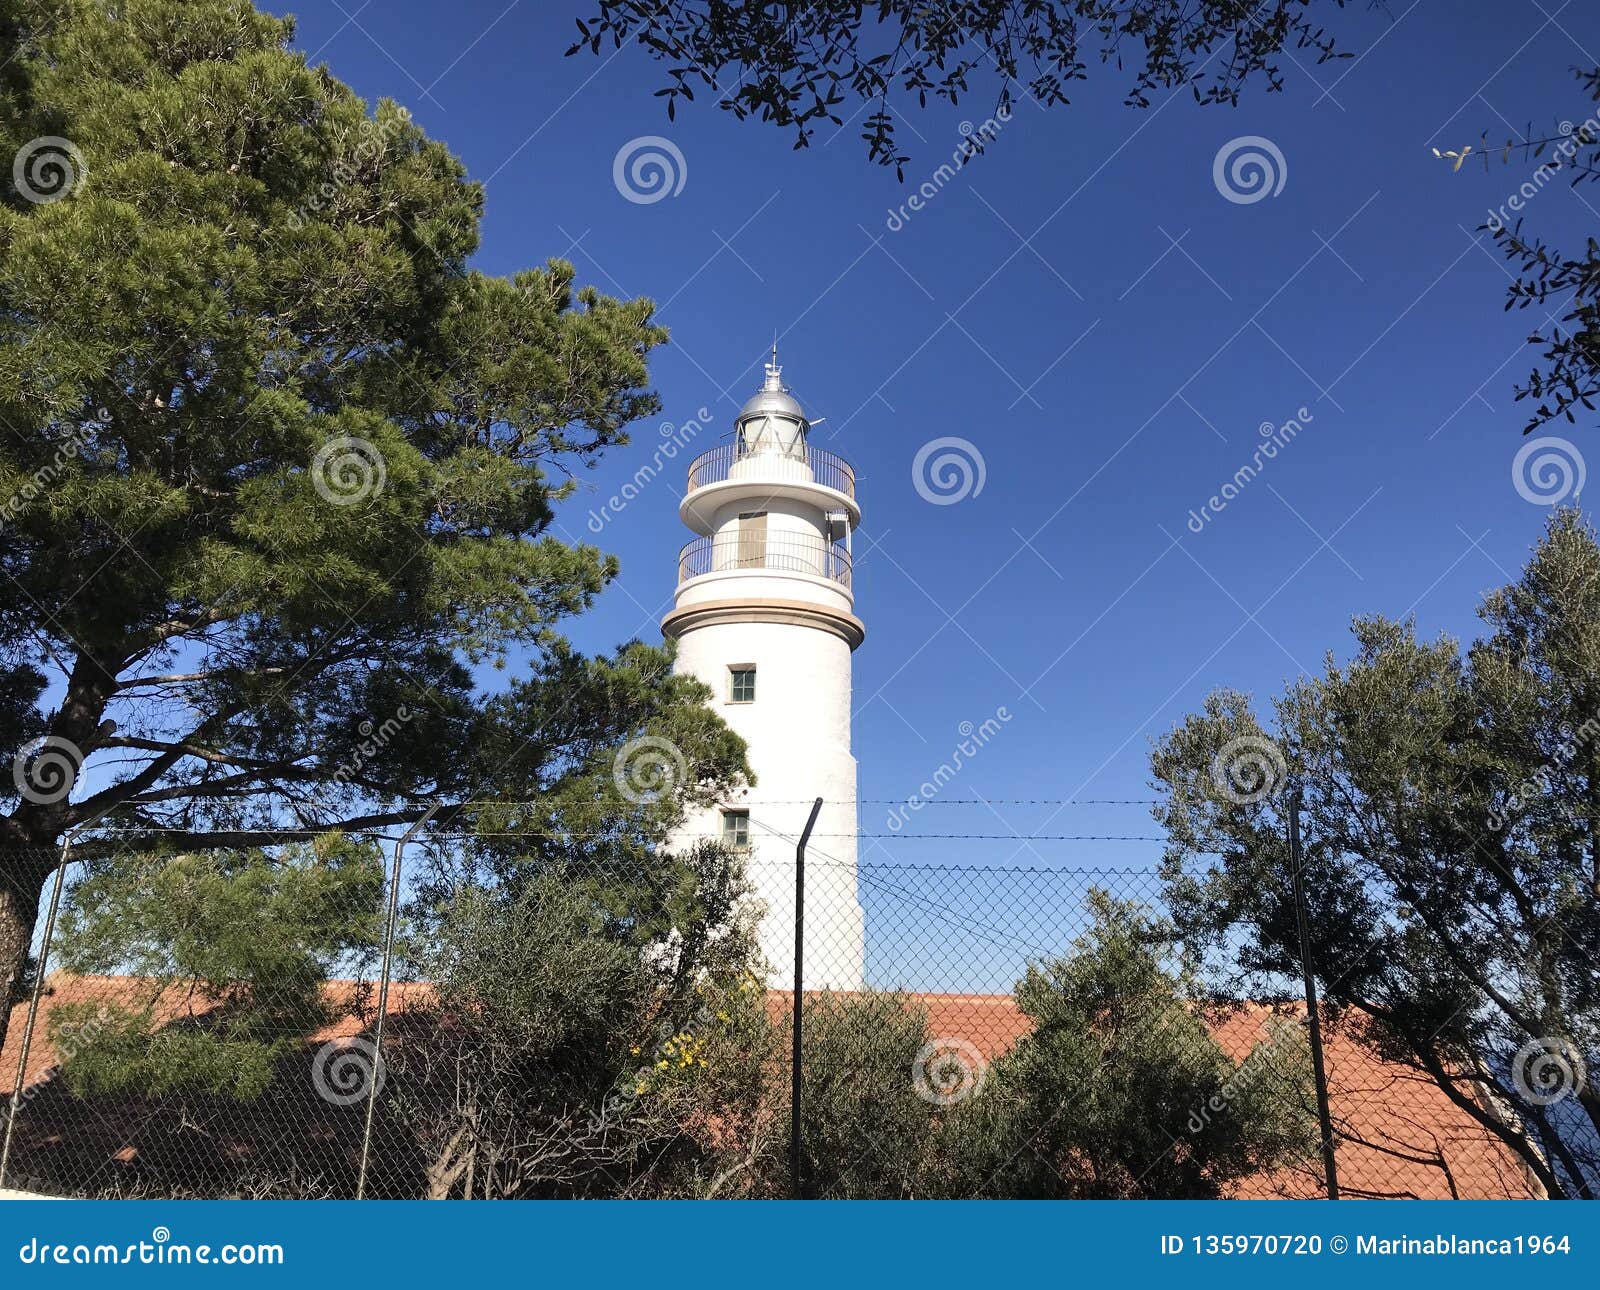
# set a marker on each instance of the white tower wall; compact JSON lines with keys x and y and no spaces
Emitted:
{"x":798,"y":730}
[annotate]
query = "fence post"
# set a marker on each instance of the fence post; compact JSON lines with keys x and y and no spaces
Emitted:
{"x":383,"y":997}
{"x":1313,"y":1021}
{"x":799,"y":998}
{"x":33,"y":1003}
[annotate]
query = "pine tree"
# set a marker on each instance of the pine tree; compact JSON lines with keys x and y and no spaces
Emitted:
{"x":278,"y":468}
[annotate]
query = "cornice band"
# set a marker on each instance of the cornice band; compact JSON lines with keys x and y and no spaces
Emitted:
{"x":793,"y":613}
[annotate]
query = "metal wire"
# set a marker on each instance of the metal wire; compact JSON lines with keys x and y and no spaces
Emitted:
{"x":289,"y":1091}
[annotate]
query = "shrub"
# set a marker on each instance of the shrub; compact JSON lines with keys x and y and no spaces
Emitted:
{"x":584,"y":1037}
{"x":1119,"y":1089}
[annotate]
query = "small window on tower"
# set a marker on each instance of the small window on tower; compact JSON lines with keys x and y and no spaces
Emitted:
{"x":736,"y":829}
{"x":741,"y":684}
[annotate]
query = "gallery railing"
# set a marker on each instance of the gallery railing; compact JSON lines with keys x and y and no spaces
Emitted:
{"x":740,"y":551}
{"x":826,"y":469}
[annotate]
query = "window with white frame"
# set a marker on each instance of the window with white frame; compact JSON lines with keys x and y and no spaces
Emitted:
{"x":736,"y":829}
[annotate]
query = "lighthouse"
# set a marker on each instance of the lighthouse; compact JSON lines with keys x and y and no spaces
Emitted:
{"x":765,"y":616}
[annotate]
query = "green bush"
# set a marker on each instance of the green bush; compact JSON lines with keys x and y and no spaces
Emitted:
{"x":866,"y":1134}
{"x":222,"y":957}
{"x":1119,"y":1089}
{"x":593,"y":1036}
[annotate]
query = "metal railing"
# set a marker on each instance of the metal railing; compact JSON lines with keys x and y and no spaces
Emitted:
{"x":714,"y":467}
{"x":782,"y":554}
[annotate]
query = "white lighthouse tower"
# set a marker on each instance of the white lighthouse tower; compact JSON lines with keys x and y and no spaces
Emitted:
{"x":763,"y":616}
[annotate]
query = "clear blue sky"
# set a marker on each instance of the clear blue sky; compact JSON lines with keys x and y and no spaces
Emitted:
{"x":1037,"y":308}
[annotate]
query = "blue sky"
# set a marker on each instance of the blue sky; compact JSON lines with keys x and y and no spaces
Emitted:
{"x":1083,"y":305}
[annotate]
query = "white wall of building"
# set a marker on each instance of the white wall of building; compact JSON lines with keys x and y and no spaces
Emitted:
{"x":798,"y":730}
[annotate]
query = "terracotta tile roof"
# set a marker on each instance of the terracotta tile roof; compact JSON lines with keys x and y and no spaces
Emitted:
{"x":1399,"y":1135}
{"x":63,"y":989}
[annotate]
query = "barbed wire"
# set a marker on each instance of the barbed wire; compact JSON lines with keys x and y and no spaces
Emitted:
{"x":586,"y":835}
{"x":989,"y":801}
{"x":899,"y":801}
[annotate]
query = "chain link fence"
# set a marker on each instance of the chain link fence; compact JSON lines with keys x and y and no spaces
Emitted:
{"x":203,"y":1025}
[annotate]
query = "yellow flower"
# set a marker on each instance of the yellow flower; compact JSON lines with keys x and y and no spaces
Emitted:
{"x":661,"y":1066}
{"x":634,"y":1050}
{"x":722,"y":1016}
